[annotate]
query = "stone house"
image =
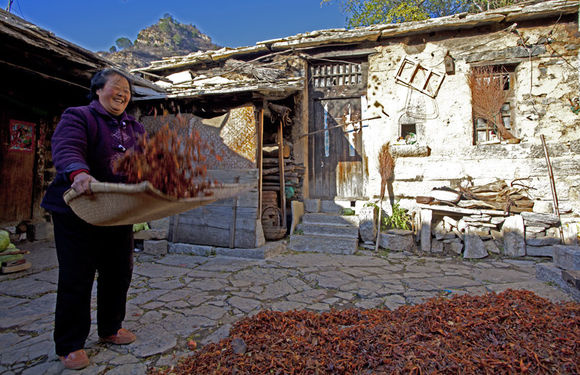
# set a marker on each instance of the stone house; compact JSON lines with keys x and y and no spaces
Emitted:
{"x":42,"y":75}
{"x":335,"y":97}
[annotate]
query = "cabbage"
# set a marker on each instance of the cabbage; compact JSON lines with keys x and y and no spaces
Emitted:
{"x":4,"y":240}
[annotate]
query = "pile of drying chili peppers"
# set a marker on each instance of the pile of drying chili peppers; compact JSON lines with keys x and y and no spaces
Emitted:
{"x":507,"y":333}
{"x":173,"y":163}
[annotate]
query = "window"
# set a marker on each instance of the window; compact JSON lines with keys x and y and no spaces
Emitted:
{"x":492,"y":97}
{"x":336,"y":74}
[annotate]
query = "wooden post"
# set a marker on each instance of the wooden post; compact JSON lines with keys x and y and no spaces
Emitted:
{"x":259,"y":157}
{"x":305,"y":141}
{"x":281,"y":167}
{"x":552,"y":185}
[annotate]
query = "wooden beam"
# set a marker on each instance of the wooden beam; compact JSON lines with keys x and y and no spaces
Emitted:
{"x":281,"y":166}
{"x":260,"y":140}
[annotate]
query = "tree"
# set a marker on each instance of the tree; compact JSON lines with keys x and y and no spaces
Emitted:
{"x":123,"y":43}
{"x":370,"y":12}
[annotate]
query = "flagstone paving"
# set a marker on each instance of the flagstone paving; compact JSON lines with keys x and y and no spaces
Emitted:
{"x":176,"y":298}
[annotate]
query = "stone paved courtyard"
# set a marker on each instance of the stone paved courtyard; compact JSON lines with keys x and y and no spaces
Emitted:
{"x":176,"y":298}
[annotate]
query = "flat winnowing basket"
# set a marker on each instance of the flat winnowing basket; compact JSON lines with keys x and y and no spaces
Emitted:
{"x":124,"y":204}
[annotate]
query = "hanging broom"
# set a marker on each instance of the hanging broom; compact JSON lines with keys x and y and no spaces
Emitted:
{"x":386,"y":169}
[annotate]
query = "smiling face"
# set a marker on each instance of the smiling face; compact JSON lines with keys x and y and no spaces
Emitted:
{"x":115,"y":95}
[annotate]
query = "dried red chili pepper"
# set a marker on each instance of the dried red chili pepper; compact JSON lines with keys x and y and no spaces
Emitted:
{"x":507,"y":333}
{"x":173,"y":163}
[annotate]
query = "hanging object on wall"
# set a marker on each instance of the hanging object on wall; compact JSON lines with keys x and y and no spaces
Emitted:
{"x":413,"y":74}
{"x":21,"y":136}
{"x":449,"y":63}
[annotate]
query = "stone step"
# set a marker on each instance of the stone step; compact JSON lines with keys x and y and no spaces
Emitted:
{"x":323,"y":244}
{"x":567,"y":257}
{"x":337,"y":231}
{"x":552,"y":273}
{"x":330,"y":219}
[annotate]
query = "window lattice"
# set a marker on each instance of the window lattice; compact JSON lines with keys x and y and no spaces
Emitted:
{"x":336,"y":74}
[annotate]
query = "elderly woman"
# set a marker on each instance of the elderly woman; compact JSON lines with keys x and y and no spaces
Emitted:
{"x":85,"y":144}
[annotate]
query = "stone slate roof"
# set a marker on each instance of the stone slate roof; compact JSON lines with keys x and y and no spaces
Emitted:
{"x":374,"y":33}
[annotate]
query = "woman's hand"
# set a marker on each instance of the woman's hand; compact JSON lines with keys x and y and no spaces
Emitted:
{"x":82,"y":183}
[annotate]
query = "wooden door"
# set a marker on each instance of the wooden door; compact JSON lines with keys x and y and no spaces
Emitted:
{"x":336,"y":162}
{"x":17,"y":172}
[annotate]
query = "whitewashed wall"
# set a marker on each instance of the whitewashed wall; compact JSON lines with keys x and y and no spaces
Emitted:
{"x":447,"y":129}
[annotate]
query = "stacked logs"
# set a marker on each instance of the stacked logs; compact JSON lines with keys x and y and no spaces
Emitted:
{"x":293,"y":172}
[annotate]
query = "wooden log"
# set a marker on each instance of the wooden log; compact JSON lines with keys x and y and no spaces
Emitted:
{"x":272,"y":151}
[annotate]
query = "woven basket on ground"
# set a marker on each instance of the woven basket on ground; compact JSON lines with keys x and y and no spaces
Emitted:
{"x":124,"y":204}
{"x":271,"y":220}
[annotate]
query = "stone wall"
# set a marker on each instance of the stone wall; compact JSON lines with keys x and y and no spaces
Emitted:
{"x":545,"y":77}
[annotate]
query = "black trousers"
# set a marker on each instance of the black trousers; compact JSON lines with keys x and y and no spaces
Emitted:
{"x":83,"y":250}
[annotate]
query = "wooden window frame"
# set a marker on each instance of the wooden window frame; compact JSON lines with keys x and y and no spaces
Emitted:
{"x":507,"y":74}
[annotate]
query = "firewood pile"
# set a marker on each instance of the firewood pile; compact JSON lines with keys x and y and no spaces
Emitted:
{"x":293,"y":173}
{"x":477,"y":221}
{"x":497,"y":195}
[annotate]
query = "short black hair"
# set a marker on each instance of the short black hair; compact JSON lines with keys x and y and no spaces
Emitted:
{"x":100,"y":79}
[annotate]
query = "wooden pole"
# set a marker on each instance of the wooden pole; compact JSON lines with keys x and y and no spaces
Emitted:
{"x":552,"y":184}
{"x":379,"y":224}
{"x":259,"y":157}
{"x":281,"y":166}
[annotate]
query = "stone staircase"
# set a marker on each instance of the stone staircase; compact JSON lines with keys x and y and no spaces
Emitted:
{"x":326,"y":232}
{"x":564,"y":271}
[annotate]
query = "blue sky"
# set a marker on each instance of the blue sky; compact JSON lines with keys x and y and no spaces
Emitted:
{"x":96,"y":24}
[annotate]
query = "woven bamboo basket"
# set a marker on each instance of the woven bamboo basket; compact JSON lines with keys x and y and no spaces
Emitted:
{"x":124,"y":204}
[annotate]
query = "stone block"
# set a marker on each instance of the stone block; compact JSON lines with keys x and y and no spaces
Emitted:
{"x":367,"y":224}
{"x":186,"y":248}
{"x":543,"y":207}
{"x":312,"y":205}
{"x":330,"y":207}
{"x":567,"y":257}
{"x":453,"y":247}
{"x":514,"y":244}
{"x":542,"y":241}
{"x":426,"y":217}
{"x":531,"y":218}
{"x":491,"y":247}
{"x":397,"y":242}
{"x":552,"y":273}
{"x":155,"y":247}
{"x":539,"y":251}
{"x":474,"y":246}
{"x":572,"y":278}
{"x":436,"y":246}
{"x":161,"y":224}
{"x":570,"y":234}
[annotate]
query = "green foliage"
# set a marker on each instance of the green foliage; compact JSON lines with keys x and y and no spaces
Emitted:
{"x":400,"y":219}
{"x":348,"y":212}
{"x":113,"y":49}
{"x":371,"y":12}
{"x":123,"y":43}
{"x":176,"y":39}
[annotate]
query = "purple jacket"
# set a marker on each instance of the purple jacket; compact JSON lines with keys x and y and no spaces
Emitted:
{"x":90,"y":138}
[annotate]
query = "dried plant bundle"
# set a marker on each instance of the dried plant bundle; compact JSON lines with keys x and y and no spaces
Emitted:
{"x":488,"y":97}
{"x":386,"y":167}
{"x":174,"y":163}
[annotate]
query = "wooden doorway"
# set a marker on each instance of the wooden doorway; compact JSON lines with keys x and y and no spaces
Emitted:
{"x":17,"y":155}
{"x":336,"y":162}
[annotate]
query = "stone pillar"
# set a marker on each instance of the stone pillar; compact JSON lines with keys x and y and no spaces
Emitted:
{"x":368,"y":224}
{"x":514,"y":244}
{"x":426,"y":216}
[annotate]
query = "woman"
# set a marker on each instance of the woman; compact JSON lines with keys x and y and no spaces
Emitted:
{"x":85,"y":144}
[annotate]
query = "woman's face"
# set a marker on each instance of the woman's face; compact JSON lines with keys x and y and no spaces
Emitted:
{"x":115,"y":95}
